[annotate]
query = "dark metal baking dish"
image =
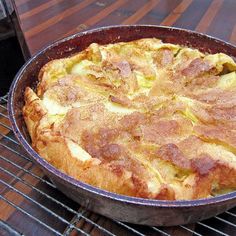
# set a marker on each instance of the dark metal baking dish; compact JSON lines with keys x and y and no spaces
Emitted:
{"x":119,"y":207}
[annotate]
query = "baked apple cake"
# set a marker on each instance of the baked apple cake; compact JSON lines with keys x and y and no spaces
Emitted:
{"x":142,"y":118}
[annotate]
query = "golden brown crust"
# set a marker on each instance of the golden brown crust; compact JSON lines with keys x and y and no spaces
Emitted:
{"x":142,"y":118}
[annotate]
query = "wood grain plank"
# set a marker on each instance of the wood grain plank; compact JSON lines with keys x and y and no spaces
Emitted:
{"x":193,"y":14}
{"x":9,"y":178}
{"x":120,"y":14}
{"x":39,"y":9}
{"x":40,"y":27}
{"x":175,"y":14}
{"x":4,"y":121}
{"x":30,"y":227}
{"x":67,"y":24}
{"x":224,"y":22}
{"x":209,"y":16}
{"x":233,"y":35}
{"x":13,"y":196}
{"x":105,"y":12}
{"x":30,"y":5}
{"x":8,"y":155}
{"x":47,"y":14}
{"x":159,"y":12}
{"x":20,"y":2}
{"x":141,"y":12}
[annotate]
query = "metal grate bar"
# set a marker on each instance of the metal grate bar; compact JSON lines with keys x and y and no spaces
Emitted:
{"x":225,"y":221}
{"x":4,"y":98}
{"x":230,"y":213}
{"x":5,"y":108}
{"x":160,"y":231}
{"x":129,"y":228}
{"x":20,"y":167}
{"x":213,"y":229}
{"x":96,"y":225}
{"x":28,"y":172}
{"x":79,"y":215}
{"x":69,"y":229}
{"x":38,"y":190}
{"x":5,"y":126}
{"x":190,"y":230}
{"x":5,"y":116}
{"x":10,"y":139}
{"x":10,"y":149}
{"x":9,"y":229}
{"x":29,"y":215}
{"x":13,"y":181}
{"x":41,"y":206}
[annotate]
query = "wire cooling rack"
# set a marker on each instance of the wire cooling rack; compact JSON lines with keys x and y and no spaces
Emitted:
{"x":31,"y":205}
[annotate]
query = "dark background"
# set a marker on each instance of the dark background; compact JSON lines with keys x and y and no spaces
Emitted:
{"x":11,"y":58}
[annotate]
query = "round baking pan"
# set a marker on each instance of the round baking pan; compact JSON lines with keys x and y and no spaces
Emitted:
{"x":119,"y":207}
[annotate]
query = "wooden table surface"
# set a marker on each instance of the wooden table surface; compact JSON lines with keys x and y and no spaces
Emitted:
{"x":39,"y":23}
{"x":43,"y":21}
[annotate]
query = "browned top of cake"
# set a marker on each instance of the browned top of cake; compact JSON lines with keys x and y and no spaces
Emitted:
{"x":141,"y":118}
